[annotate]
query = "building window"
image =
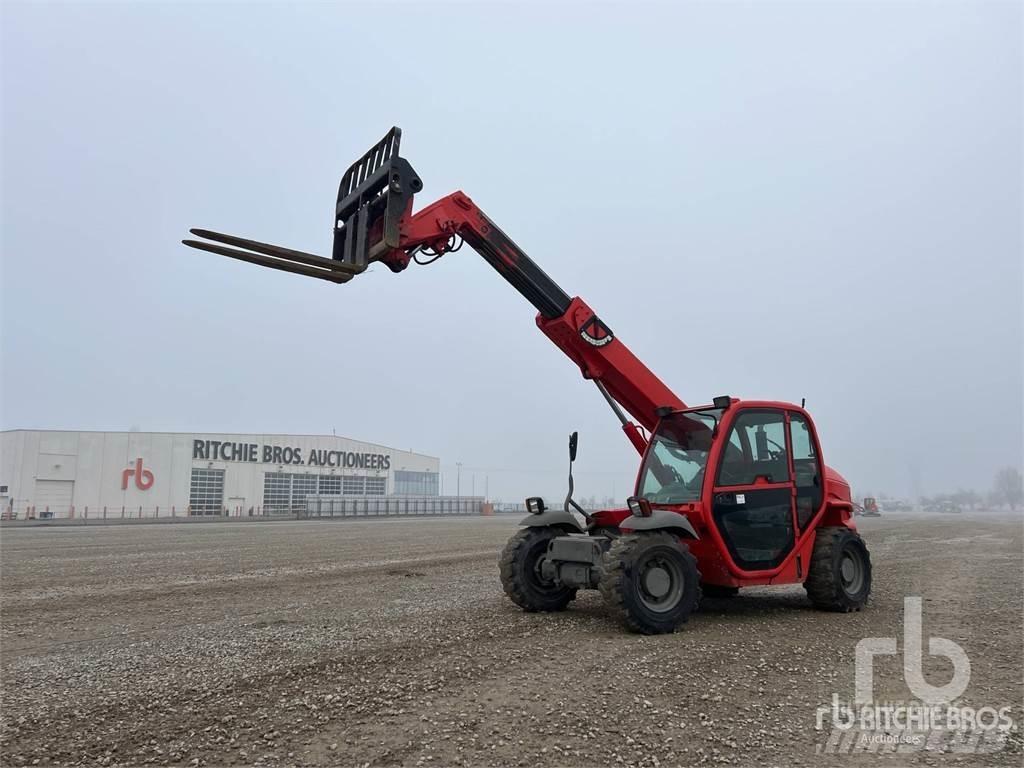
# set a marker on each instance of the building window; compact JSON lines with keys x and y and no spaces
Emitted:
{"x":303,"y":486}
{"x":284,"y":493}
{"x":330,"y":485}
{"x":415,"y":483}
{"x":206,"y":493}
{"x":353,"y":485}
{"x":277,"y":488}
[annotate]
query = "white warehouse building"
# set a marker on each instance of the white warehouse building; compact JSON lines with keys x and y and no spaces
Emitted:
{"x":62,"y":474}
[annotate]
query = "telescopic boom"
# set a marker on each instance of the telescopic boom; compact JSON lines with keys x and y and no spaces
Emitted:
{"x":374,"y":222}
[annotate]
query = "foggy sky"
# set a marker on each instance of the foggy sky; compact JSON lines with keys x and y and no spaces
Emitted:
{"x":781,"y":201}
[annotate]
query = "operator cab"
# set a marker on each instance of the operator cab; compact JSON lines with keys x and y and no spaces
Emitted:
{"x":766,"y":474}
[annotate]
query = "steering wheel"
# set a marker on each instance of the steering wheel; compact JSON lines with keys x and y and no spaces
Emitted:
{"x":776,"y":455}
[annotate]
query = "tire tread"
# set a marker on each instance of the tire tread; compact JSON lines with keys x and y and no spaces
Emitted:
{"x":822,"y":587}
{"x":511,"y":583}
{"x":611,"y":585}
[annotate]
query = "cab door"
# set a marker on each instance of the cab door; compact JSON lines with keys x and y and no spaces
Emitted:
{"x":807,"y":471}
{"x":753,"y":498}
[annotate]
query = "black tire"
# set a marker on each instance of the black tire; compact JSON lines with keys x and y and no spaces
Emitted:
{"x":718,"y":591}
{"x":839,"y":578}
{"x":519,"y":566}
{"x":629,"y":565}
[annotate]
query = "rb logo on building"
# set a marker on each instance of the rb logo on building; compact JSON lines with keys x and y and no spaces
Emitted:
{"x":143,"y":477}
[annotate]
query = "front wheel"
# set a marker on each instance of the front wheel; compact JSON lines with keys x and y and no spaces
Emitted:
{"x":839,"y":578}
{"x":520,"y":572}
{"x":651,"y":580}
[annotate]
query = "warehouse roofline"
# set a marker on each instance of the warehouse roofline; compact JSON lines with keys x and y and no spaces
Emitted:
{"x":230,"y":434}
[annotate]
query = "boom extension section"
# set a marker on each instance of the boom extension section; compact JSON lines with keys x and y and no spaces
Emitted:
{"x":374,"y":222}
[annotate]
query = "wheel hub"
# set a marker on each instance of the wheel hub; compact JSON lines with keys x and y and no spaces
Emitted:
{"x":848,"y":569}
{"x":657,"y":581}
{"x":660,"y":583}
{"x":851,"y":573}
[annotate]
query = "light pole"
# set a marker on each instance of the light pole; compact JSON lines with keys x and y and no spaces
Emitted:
{"x":458,"y":479}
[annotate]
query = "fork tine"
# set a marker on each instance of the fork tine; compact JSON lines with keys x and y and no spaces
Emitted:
{"x":277,"y":251}
{"x":333,"y":275}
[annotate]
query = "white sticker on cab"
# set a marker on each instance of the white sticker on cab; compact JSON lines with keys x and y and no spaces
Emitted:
{"x":741,"y":498}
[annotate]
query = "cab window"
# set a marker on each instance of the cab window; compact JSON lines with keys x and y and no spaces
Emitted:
{"x":673,"y":468}
{"x":806,"y":470}
{"x":756,"y":449}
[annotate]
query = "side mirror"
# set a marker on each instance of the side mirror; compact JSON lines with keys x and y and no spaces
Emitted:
{"x":572,"y":446}
{"x":535,"y":505}
{"x":639,"y":506}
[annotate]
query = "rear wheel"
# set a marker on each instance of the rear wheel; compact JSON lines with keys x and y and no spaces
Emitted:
{"x":839,"y":578}
{"x":651,"y":580}
{"x":520,"y":572}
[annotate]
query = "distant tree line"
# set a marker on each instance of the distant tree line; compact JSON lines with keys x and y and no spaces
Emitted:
{"x":1007,"y":491}
{"x":1009,"y":487}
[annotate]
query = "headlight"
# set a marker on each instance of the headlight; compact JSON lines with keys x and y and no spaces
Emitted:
{"x":535,"y":505}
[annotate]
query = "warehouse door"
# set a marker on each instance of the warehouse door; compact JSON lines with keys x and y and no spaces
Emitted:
{"x":206,"y":494}
{"x":55,"y":495}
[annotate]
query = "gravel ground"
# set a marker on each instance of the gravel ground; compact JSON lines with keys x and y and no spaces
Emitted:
{"x":390,"y":643}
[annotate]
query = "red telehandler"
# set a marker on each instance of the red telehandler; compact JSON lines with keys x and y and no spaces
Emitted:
{"x":732,"y":494}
